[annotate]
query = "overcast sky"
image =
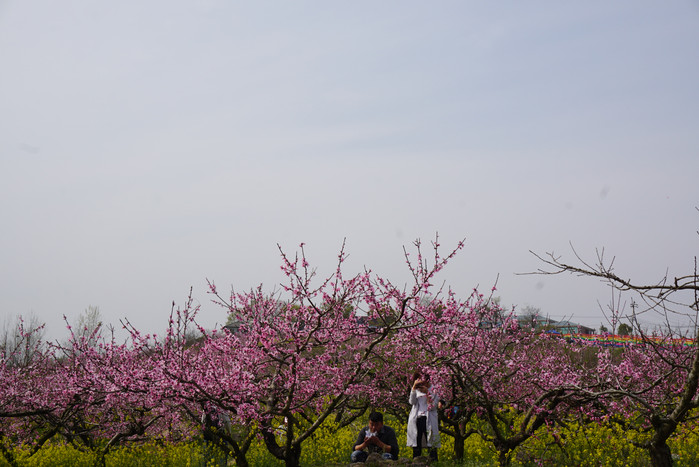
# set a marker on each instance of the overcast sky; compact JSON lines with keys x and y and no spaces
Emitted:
{"x":146,"y":146}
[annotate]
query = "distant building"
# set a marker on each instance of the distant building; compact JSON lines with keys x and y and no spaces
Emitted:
{"x":564,"y":327}
{"x":568,"y":327}
{"x":233,"y":327}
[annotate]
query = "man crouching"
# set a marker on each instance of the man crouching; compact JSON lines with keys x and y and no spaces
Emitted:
{"x":376,"y":437}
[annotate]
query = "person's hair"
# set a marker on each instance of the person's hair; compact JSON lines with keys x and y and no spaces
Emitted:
{"x":418,"y":373}
{"x":376,"y":417}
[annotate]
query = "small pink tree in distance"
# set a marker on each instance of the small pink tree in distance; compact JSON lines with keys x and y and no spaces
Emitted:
{"x":92,"y":392}
{"x":121,"y":388}
{"x":203,"y":377}
{"x":25,"y":364}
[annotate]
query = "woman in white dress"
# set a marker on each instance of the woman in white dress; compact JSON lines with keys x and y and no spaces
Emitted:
{"x":423,"y":421}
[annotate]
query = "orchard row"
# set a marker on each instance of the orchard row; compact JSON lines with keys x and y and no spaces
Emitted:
{"x":333,"y":349}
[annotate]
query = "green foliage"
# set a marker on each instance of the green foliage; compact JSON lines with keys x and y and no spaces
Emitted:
{"x":624,"y":330}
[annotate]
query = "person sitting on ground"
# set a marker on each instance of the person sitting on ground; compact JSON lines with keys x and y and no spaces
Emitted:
{"x":376,"y":437}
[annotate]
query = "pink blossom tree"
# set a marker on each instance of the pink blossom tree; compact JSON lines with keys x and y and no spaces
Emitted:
{"x":25,"y":363}
{"x":507,"y":381}
{"x":657,"y":380}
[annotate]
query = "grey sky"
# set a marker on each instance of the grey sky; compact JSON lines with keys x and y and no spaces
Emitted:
{"x":147,"y":146}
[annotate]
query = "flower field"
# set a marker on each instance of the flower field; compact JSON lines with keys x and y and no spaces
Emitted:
{"x":589,"y":445}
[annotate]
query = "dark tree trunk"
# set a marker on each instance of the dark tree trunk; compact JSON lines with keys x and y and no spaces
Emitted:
{"x":456,"y":429}
{"x":239,"y":455}
{"x":290,"y":453}
{"x":459,"y":446}
{"x":293,"y":457}
{"x":658,"y":449}
{"x":271,"y":443}
{"x":660,"y":454}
